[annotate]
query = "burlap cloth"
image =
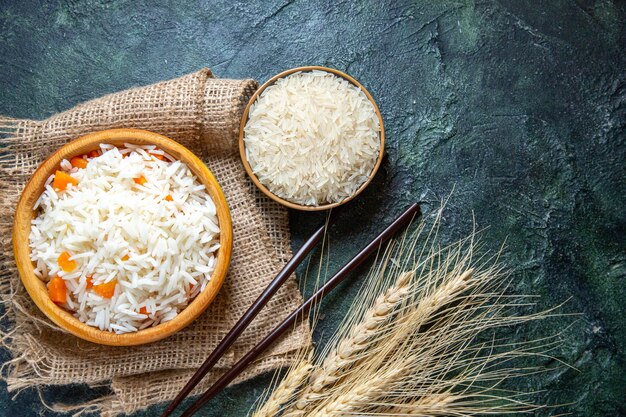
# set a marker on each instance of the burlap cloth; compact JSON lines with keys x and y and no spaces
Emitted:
{"x":202,"y":113}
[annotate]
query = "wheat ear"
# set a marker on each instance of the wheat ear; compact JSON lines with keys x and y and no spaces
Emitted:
{"x":360,"y":337}
{"x":287,"y":388}
{"x":360,"y":395}
{"x":358,"y":340}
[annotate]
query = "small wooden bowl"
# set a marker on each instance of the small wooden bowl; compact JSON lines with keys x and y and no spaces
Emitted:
{"x":242,"y":146}
{"x":37,"y":289}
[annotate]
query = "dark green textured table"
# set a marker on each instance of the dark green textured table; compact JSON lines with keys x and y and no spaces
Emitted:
{"x":518,"y":105}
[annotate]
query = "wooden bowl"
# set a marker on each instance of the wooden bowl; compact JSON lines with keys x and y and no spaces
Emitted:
{"x":37,"y":288}
{"x":242,"y":147}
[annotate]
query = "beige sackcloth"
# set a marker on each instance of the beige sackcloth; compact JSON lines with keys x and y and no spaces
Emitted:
{"x":203,"y":113}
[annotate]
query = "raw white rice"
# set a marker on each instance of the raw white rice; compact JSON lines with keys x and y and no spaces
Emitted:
{"x":171,"y":245}
{"x":312,"y":138}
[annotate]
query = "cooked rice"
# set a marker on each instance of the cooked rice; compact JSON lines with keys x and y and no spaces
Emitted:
{"x":312,"y":138}
{"x":171,"y":245}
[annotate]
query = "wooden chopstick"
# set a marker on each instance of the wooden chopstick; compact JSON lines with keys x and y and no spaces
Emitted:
{"x":302,"y":311}
{"x":249,"y":315}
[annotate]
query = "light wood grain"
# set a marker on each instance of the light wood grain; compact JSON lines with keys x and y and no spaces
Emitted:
{"x":37,"y":289}
{"x":242,"y":146}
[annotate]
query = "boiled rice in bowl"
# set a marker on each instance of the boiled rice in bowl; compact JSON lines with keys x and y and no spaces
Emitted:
{"x":126,"y":238}
{"x":123,"y":244}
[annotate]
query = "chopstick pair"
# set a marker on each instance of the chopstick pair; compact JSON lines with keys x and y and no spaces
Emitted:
{"x":302,"y":311}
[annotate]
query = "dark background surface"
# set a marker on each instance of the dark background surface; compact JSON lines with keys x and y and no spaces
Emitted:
{"x":518,"y":105}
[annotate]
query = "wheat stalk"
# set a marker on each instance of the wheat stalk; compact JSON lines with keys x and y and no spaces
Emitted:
{"x":421,"y":341}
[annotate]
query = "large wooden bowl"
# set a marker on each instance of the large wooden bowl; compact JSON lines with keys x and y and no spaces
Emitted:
{"x":37,"y":288}
{"x":242,"y":145}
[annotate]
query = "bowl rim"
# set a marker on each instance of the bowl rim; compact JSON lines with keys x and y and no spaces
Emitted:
{"x":244,"y":120}
{"x":36,"y":288}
